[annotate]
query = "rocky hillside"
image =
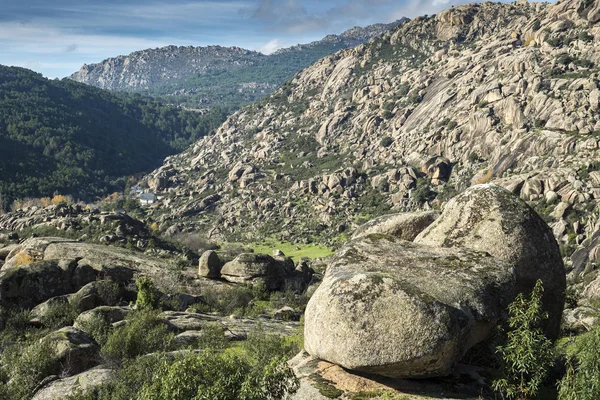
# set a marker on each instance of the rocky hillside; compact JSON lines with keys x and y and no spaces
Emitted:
{"x":203,"y":76}
{"x":501,"y":93}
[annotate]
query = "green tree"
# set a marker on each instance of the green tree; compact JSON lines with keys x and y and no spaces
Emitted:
{"x":148,"y":296}
{"x":527,"y":354}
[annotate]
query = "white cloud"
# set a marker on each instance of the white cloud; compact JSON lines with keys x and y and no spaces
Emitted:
{"x":272,"y":46}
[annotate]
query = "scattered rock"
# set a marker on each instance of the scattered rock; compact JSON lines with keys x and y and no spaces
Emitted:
{"x":405,"y":226}
{"x":209,"y":265}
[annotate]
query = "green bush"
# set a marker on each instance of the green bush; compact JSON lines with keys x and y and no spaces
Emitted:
{"x":527,"y":355}
{"x":143,"y":333}
{"x":221,"y":377}
{"x":24,"y":367}
{"x":227,"y":301}
{"x":59,"y":314}
{"x":386,"y":141}
{"x":148,"y":296}
{"x":126,"y":383}
{"x":582,"y":380}
{"x":98,"y":328}
{"x":108,"y":291}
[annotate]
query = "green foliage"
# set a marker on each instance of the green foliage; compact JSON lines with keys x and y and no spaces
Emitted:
{"x":98,"y":327}
{"x":585,"y":36}
{"x":127,"y":381}
{"x":108,"y":291}
{"x":226,"y":301}
{"x":59,"y":314}
{"x":148,"y":296}
{"x":23,"y":367}
{"x":582,"y":380}
{"x":220,"y":377}
{"x":14,"y":323}
{"x":143,"y":333}
{"x":60,"y":135}
{"x":386,"y":141}
{"x":422,"y":192}
{"x":527,"y":354}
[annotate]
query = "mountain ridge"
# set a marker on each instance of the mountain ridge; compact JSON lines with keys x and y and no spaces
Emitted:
{"x":212,"y":75}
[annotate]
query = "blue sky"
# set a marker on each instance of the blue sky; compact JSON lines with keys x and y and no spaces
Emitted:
{"x":56,"y":37}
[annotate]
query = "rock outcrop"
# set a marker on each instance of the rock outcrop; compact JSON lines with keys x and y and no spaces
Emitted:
{"x":412,"y":309}
{"x":405,"y":226}
{"x":490,"y":219}
{"x":253,"y":268}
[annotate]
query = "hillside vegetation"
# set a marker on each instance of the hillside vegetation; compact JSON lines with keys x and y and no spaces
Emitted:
{"x":60,"y":135}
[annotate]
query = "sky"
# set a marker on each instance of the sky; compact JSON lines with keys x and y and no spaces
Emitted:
{"x":56,"y":37}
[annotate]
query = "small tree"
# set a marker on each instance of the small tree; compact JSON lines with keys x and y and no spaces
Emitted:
{"x":527,"y":354}
{"x":148,"y":296}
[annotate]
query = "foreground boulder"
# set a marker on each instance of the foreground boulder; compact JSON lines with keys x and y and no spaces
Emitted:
{"x":491,"y":219}
{"x":413,"y":309}
{"x":399,"y":309}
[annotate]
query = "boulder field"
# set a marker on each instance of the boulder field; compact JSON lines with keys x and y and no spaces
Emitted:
{"x":403,"y":309}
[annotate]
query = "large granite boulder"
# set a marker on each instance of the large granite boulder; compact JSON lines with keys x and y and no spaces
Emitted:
{"x":405,"y":226}
{"x":413,"y":309}
{"x":399,"y":309}
{"x":491,"y":219}
{"x":31,"y":284}
{"x":252,"y":268}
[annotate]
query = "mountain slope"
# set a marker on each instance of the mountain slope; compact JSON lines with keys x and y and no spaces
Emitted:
{"x":68,"y":137}
{"x":215,"y":75}
{"x":502,"y":93}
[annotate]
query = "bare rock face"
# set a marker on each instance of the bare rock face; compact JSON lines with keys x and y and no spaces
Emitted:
{"x":413,"y":309}
{"x":403,"y":310}
{"x":490,"y":219}
{"x":405,"y":226}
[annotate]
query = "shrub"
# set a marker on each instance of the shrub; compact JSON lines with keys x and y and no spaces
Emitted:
{"x":423,"y":192}
{"x":59,"y":314}
{"x":144,"y":333}
{"x":24,"y":368}
{"x":108,"y":291}
{"x":125,"y":383}
{"x":582,"y":380}
{"x":98,"y":328}
{"x":220,"y":376}
{"x":148,"y":296}
{"x":386,"y":141}
{"x":527,"y":354}
{"x":228,"y":300}
{"x":585,"y":36}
